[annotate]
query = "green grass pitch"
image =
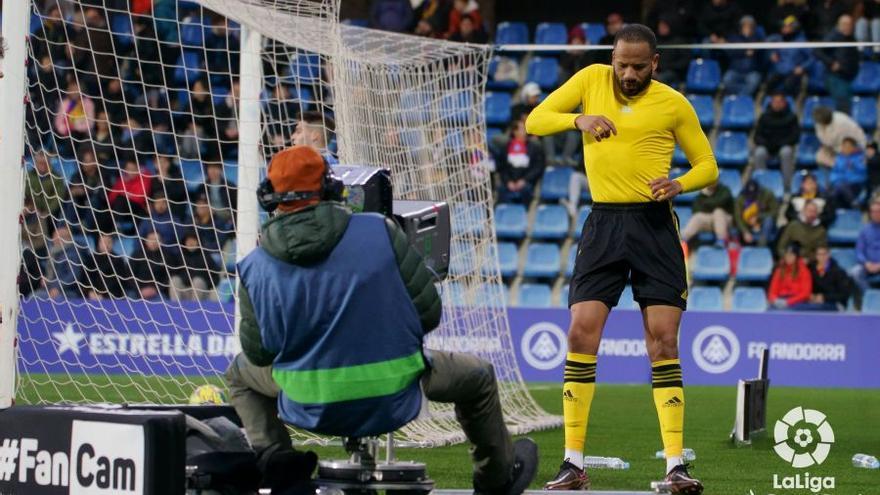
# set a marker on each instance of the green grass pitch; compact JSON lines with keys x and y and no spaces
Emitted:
{"x":623,"y":423}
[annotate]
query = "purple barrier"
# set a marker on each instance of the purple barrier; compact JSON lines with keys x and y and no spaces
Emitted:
{"x":806,"y":349}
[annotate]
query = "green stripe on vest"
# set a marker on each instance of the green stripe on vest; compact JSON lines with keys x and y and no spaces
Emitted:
{"x":350,"y":382}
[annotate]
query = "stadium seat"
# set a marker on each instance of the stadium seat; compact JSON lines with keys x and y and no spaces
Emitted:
{"x":627,"y":301}
{"x":306,"y":68}
{"x":871,"y":302}
{"x":126,"y":246}
{"x":508,"y":259}
{"x":705,"y":108}
{"x":755,"y":264}
{"x":69,"y":166}
{"x":572,"y":257}
{"x":711,"y":264}
{"x":511,"y":33}
{"x":491,"y":132}
{"x":551,"y":33}
{"x":732,"y":149}
{"x":583,"y":213}
{"x":189,"y":68}
{"x":867,"y":81}
{"x":749,"y":299}
{"x":511,"y":221}
{"x":192,"y":31}
{"x":846,"y":227}
{"x":453,"y":293}
{"x":542,"y":261}
{"x":771,"y":180}
{"x":684,"y":214}
{"x":544,"y":71}
{"x":551,"y":222}
{"x":504,"y":84}
{"x":679,"y":159}
{"x":226,"y":290}
{"x":230,"y":171}
{"x":554,"y":184}
{"x":594,"y":31}
{"x":456,"y":107}
{"x":705,"y":299}
{"x":535,"y":296}
{"x":120,"y":27}
{"x":703,"y":76}
{"x":416,"y":108}
{"x":737,"y":112}
{"x":563,"y":296}
{"x":497,"y":108}
{"x":462,"y":258}
{"x":864,"y":111}
{"x":192,"y":171}
{"x":468,"y":219}
{"x":732,"y":179}
{"x":816,"y":79}
{"x":808,"y":145}
{"x":490,"y":294}
{"x":809,"y":104}
{"x":845,"y":257}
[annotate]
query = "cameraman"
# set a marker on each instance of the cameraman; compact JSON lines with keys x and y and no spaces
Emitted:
{"x":334,"y":309}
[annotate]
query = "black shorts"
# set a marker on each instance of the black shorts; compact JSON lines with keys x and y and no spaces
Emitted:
{"x":623,"y":238}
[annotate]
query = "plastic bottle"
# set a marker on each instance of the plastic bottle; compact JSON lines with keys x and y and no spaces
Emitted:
{"x":865,"y":461}
{"x":605,"y":462}
{"x":687,"y":455}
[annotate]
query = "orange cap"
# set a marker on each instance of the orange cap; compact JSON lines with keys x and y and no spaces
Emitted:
{"x":300,"y":169}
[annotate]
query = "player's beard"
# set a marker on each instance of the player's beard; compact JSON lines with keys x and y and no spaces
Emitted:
{"x":632,"y":87}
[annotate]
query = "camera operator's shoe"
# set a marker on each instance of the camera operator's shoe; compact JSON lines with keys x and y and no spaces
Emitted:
{"x":680,"y":481}
{"x":525,"y":466}
{"x":570,"y":477}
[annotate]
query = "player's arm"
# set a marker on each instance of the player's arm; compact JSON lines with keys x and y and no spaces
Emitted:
{"x":695,"y":144}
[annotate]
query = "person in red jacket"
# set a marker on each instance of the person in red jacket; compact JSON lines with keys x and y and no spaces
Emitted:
{"x":128,"y":196}
{"x":792,"y":283}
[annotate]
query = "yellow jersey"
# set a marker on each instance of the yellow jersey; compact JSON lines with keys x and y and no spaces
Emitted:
{"x":648,"y":126}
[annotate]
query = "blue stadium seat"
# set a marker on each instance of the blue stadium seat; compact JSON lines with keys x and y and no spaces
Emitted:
{"x":551,"y":222}
{"x":544,"y":71}
{"x":594,"y":31}
{"x":737,"y":112}
{"x":755,"y":264}
{"x":462,"y":256}
{"x":535,"y":296}
{"x":68,"y":166}
{"x":192,"y":171}
{"x":749,"y":299}
{"x":192,"y":31}
{"x":732,"y":179}
{"x":563,"y":296}
{"x":226,"y":290}
{"x":711,"y":264}
{"x":551,"y":33}
{"x":554,"y":184}
{"x":846,"y":227}
{"x":511,"y":221}
{"x":706,"y":299}
{"x":864,"y":111}
{"x":703,"y":76}
{"x":511,"y":33}
{"x":497,"y":294}
{"x":453,"y":293}
{"x":306,"y":68}
{"x":845,"y":257}
{"x":491,"y":132}
{"x":771,"y":180}
{"x":572,"y":257}
{"x":508,"y":259}
{"x":456,"y":107}
{"x":679,"y":159}
{"x":468,"y":219}
{"x":126,"y":246}
{"x":542,"y":261}
{"x":808,"y":145}
{"x":732,"y":149}
{"x":816,"y":79}
{"x":704,"y":105}
{"x":120,"y":26}
{"x":582,"y":215}
{"x":867,"y":81}
{"x":454,"y":142}
{"x":684,"y":214}
{"x":627,"y":301}
{"x":871,"y":302}
{"x":504,"y":84}
{"x":189,"y":67}
{"x":230,"y":171}
{"x":809,"y":104}
{"x":497,"y":108}
{"x":416,"y":108}
{"x":304,"y":97}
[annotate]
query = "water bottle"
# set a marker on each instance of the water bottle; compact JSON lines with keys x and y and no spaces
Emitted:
{"x":687,"y":455}
{"x":605,"y":462}
{"x":865,"y":461}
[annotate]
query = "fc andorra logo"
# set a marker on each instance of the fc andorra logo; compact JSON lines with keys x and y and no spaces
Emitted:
{"x":803,"y":437}
{"x":544,"y":346}
{"x":716,"y":349}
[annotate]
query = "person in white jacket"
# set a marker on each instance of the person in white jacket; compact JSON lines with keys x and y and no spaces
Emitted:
{"x":831,"y":129}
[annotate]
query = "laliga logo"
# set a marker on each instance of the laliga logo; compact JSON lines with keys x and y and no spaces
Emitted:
{"x":720,"y":352}
{"x":803,"y":437}
{"x":544,"y":345}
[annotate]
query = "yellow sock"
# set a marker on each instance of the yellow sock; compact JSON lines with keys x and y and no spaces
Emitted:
{"x":669,"y":401}
{"x":578,"y":387}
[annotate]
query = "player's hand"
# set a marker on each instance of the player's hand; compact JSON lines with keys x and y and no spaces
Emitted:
{"x":664,"y":189}
{"x":598,"y":126}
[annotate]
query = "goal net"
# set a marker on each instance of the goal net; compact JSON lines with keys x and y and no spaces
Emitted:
{"x":146,"y":132}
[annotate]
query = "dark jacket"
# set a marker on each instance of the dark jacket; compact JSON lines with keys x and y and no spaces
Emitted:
{"x":743,"y":61}
{"x":777,"y":129}
{"x":719,"y":20}
{"x":826,"y":210}
{"x":847,"y":57}
{"x":722,"y":198}
{"x":309,"y":235}
{"x":672,"y":59}
{"x":106,"y":273}
{"x":833,"y":283}
{"x":531,"y":173}
{"x":391,"y":15}
{"x":198,"y":264}
{"x":155,"y":268}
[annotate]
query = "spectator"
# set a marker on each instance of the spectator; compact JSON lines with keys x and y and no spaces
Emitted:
{"x":128,"y":195}
{"x":201,"y":110}
{"x":314,"y":129}
{"x":435,"y":15}
{"x":785,"y":8}
{"x":213,"y":232}
{"x":831,"y":129}
{"x":848,"y":175}
{"x":791,"y":283}
{"x":712,"y":212}
{"x":44,"y":187}
{"x":826,"y":13}
{"x":777,"y":134}
{"x":151,"y":266}
{"x":73,"y":118}
{"x":745,"y":67}
{"x":872,"y":160}
{"x":574,"y":60}
{"x":62,"y":271}
{"x":34,"y":229}
{"x":755,"y":214}
{"x":788,"y":66}
{"x":868,"y":24}
{"x":105,"y":274}
{"x":613,"y":23}
{"x":866,"y":272}
{"x":841,"y":63}
{"x":391,"y":15}
{"x":169,"y":182}
{"x":519,"y":166}
{"x":199,"y":272}
{"x":718,"y":19}
{"x":460,"y":10}
{"x":678,"y":13}
{"x":674,"y":63}
{"x":189,"y":142}
{"x":103,"y":141}
{"x":51,"y":37}
{"x":530,"y":96}
{"x":831,"y":285}
{"x":807,"y":230}
{"x":810,"y":192}
{"x":159,"y":220}
{"x":469,"y":31}
{"x":222,"y":196}
{"x":77,"y":209}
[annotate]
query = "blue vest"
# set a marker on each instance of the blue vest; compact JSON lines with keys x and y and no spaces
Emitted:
{"x":346,"y":333}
